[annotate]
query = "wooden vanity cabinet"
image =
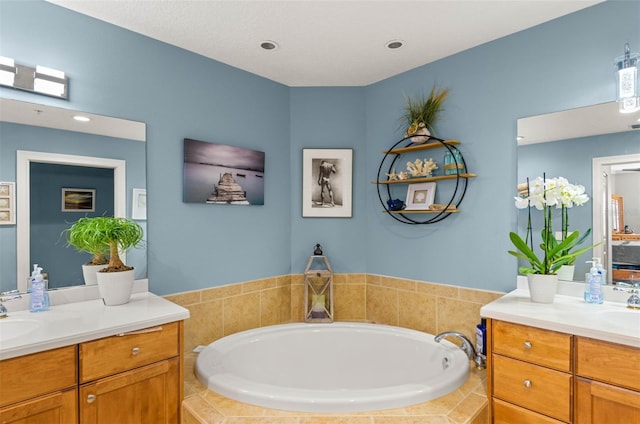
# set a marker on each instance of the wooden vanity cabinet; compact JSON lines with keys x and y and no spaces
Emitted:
{"x":538,"y":376}
{"x":40,"y":388}
{"x":530,"y":374}
{"x":132,"y":378}
{"x":608,"y":382}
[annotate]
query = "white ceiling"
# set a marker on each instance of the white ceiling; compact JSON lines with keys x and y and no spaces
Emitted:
{"x":325,"y":42}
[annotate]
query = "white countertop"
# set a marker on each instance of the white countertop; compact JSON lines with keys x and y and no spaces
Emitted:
{"x":71,"y":323}
{"x":610,"y":321}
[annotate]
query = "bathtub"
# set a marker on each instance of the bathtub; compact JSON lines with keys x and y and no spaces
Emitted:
{"x":337,"y":367}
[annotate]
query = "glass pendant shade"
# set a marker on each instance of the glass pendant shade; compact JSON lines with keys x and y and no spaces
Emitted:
{"x":627,"y":82}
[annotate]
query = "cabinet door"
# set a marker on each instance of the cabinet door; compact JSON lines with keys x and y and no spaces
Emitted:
{"x":149,"y":394}
{"x":55,"y":408}
{"x":506,"y":413}
{"x":599,"y":403}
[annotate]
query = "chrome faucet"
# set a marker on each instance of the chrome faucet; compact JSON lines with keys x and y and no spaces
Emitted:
{"x":633,"y":302}
{"x":466,"y":346}
{"x":6,"y":296}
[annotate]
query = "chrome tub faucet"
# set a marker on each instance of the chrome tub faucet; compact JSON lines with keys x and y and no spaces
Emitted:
{"x":466,"y":346}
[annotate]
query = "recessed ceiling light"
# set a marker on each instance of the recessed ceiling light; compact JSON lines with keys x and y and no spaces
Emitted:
{"x":269,"y":45}
{"x":81,"y":118}
{"x":395,"y":44}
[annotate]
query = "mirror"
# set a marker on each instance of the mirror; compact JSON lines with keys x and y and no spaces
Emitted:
{"x":566,"y":144}
{"x":45,"y":150}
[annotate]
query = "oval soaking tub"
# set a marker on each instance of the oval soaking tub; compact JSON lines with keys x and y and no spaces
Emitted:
{"x":337,"y":367}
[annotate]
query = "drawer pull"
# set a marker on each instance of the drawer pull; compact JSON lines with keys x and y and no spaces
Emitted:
{"x":527,"y":345}
{"x":91,"y":398}
{"x":145,"y":331}
{"x":135,"y":351}
{"x":527,"y":383}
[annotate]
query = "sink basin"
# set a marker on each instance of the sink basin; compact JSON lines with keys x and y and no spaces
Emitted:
{"x":627,"y":318}
{"x":10,"y":328}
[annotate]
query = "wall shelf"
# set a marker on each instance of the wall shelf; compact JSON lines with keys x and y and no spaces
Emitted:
{"x":422,"y":216}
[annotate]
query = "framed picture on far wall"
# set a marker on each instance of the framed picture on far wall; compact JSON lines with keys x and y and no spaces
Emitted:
{"x":420,"y":196}
{"x":139,"y":204}
{"x":78,"y":200}
{"x":327,"y":183}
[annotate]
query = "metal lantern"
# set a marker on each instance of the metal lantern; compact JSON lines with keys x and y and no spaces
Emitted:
{"x":318,"y":288}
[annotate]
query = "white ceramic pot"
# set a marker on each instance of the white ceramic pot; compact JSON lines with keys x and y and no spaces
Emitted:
{"x":115,"y":287}
{"x":565,"y":273}
{"x":542,"y":287}
{"x":89,"y":274}
{"x":420,"y":136}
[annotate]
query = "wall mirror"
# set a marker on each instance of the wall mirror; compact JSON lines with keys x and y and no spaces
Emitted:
{"x":45,"y":151}
{"x":567,"y":144}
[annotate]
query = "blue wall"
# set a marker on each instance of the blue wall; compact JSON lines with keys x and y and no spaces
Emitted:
{"x":559,"y":65}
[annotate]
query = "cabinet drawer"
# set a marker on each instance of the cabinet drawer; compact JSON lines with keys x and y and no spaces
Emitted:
{"x":506,"y":413}
{"x":536,"y":388}
{"x":608,"y":362}
{"x":111,"y":355}
{"x":543,"y":347}
{"x":33,"y":375}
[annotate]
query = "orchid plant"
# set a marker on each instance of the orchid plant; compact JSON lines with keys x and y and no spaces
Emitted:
{"x":547,"y":194}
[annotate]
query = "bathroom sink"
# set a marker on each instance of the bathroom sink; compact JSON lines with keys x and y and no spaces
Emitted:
{"x":626,"y":318}
{"x":10,"y":328}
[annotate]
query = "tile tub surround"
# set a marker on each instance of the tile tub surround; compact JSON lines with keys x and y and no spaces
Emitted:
{"x":466,"y":405}
{"x":429,"y":307}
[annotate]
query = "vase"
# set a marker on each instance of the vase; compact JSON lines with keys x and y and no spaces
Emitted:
{"x":565,"y":273}
{"x":115,"y":287}
{"x":89,"y":273}
{"x":542,"y":287}
{"x":421,"y":135}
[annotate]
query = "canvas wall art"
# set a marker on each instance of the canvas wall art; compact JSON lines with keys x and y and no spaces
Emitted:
{"x":222,"y":174}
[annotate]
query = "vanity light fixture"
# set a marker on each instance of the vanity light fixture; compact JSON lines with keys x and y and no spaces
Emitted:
{"x":628,"y":84}
{"x":41,"y":80}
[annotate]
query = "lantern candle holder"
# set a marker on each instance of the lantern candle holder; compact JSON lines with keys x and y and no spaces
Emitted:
{"x":318,"y":289}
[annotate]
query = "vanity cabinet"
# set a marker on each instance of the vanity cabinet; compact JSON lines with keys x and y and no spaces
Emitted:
{"x":530,"y":374}
{"x":608,"y":382}
{"x":538,"y":376}
{"x":129,"y":378}
{"x":40,"y":388}
{"x":132,"y":377}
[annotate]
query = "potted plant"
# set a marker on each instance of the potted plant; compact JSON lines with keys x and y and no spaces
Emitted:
{"x":82,"y":236}
{"x":421,"y":114}
{"x":548,"y":194}
{"x":115,"y":281}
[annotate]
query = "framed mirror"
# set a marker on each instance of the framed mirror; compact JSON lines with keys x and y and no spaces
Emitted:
{"x":41,"y":147}
{"x":565,"y":144}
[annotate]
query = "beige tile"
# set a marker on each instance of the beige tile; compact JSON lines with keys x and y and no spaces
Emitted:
{"x":479,"y":296}
{"x":471,"y":407}
{"x":373,"y":279}
{"x":357,"y":279}
{"x":417,"y":311}
{"x":231,"y":408}
{"x":261,"y":420}
{"x":437,"y":419}
{"x":204,"y":324}
{"x":297,"y":303}
{"x":186,"y":298}
{"x":257,"y":285}
{"x":457,"y":315}
{"x":221,"y":292}
{"x":382,"y":305}
{"x":200,"y":411}
{"x":284,"y":315}
{"x":297,"y":279}
{"x":283,"y":280}
{"x":241,"y":313}
{"x":440,"y":406}
{"x":398,"y":283}
{"x":340,"y":278}
{"x":349,"y":302}
{"x":482,"y":417}
{"x":270,"y":307}
{"x":335,"y":419}
{"x":440,"y":290}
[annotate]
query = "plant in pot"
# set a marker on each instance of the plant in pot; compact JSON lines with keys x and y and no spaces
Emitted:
{"x":83,"y":237}
{"x":546,"y":195}
{"x":421,"y":114}
{"x":115,"y":281}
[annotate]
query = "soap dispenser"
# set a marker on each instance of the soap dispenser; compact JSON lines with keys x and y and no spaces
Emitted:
{"x":593,"y":293}
{"x":39,"y":298}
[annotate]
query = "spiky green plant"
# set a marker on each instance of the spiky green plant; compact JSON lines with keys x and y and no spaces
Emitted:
{"x":423,"y":110}
{"x":112,"y":235}
{"x":83,"y":237}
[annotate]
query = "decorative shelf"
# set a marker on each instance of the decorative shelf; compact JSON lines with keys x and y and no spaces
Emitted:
{"x":426,"y":179}
{"x":423,"y":146}
{"x":403,"y":211}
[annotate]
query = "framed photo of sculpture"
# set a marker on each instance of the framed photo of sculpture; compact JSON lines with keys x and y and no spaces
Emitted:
{"x":327,"y":176}
{"x":222,"y":175}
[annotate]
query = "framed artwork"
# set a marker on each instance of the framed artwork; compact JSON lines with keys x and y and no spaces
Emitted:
{"x":222,"y":175}
{"x":327,"y":176}
{"x":139,"y":204}
{"x":78,"y":200}
{"x":420,"y":196}
{"x":7,"y":203}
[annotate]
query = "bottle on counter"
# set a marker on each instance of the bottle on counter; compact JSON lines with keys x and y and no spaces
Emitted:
{"x":593,"y":293}
{"x":39,"y":298}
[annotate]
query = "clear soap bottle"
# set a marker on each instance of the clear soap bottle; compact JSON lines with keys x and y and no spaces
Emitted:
{"x":39,"y":298}
{"x":593,"y":293}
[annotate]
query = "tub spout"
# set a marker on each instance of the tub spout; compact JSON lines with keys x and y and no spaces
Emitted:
{"x":466,"y":346}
